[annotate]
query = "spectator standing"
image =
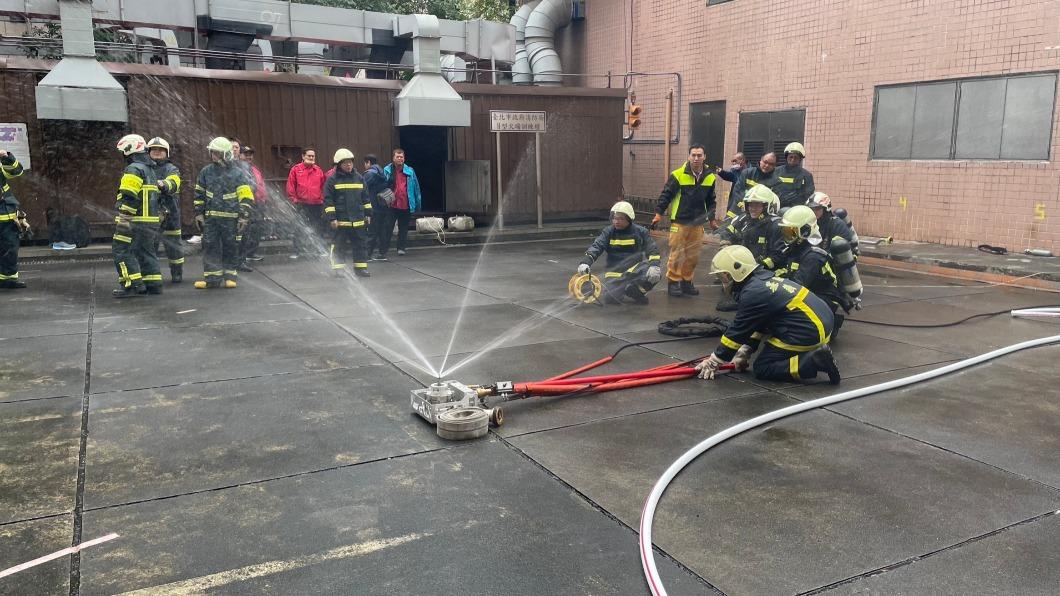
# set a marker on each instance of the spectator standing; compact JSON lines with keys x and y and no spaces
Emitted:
{"x":751,"y":176}
{"x":688,"y":199}
{"x":305,"y":189}
{"x":375,"y":183}
{"x":252,"y":236}
{"x":401,"y":178}
{"x":731,"y":175}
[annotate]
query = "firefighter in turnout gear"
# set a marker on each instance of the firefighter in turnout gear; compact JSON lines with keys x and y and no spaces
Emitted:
{"x":764,"y":174}
{"x":688,"y":199}
{"x":136,"y":225}
{"x":798,"y":324}
{"x":10,"y":226}
{"x":809,"y":265}
{"x":756,"y":230}
{"x":794,"y":182}
{"x":223,"y":203}
{"x":632,"y":257}
{"x":347,"y":209}
{"x":169,"y":200}
{"x":831,"y":226}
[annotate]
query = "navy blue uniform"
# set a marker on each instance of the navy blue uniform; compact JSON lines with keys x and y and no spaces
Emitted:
{"x":10,"y":237}
{"x":135,"y":244}
{"x":761,"y":236}
{"x":169,"y":203}
{"x":749,"y":178}
{"x":223,"y":197}
{"x":796,"y":321}
{"x":629,"y":254}
{"x":811,"y":267}
{"x":347,"y":202}
{"x":794,"y":185}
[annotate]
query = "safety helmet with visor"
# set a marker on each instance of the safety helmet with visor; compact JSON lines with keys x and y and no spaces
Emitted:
{"x":624,"y":208}
{"x":158,"y":143}
{"x":342,"y":155}
{"x":762,"y":194}
{"x":736,"y":260}
{"x":799,"y":223}
{"x":795,"y":148}
{"x":131,"y":144}
{"x":221,"y":146}
{"x":819,"y":200}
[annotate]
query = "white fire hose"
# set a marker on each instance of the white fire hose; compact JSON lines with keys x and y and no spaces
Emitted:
{"x":647,"y":555}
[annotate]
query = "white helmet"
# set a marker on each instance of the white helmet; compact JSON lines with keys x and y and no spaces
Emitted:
{"x":624,"y":208}
{"x":795,"y":148}
{"x":342,"y":155}
{"x":130,"y":144}
{"x":158,"y":142}
{"x":221,"y":145}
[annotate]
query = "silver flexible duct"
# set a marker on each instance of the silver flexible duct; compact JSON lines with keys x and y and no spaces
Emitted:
{"x":521,"y":73}
{"x":541,"y":27}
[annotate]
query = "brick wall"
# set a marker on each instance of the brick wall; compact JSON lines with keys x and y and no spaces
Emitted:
{"x":827,"y":57}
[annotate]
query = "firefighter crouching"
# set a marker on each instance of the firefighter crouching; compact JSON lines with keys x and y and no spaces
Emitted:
{"x":795,"y":324}
{"x":632,"y":257}
{"x":346,"y":208}
{"x":136,"y":225}
{"x":169,"y":201}
{"x":223,"y":203}
{"x":809,"y":265}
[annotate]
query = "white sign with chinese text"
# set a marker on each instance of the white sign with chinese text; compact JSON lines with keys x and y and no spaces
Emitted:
{"x":13,"y":138}
{"x":515,"y":121}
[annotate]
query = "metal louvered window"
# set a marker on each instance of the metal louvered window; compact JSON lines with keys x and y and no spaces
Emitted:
{"x":1003,"y":118}
{"x":761,"y":132}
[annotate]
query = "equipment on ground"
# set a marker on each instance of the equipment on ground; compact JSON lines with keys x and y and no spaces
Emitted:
{"x":432,"y":225}
{"x":846,"y":269}
{"x":461,"y":223}
{"x":585,"y":287}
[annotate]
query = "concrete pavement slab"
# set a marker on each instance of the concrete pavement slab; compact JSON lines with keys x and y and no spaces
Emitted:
{"x":478,"y":519}
{"x":351,"y":298}
{"x":38,"y":457}
{"x":143,"y":359}
{"x":1024,"y":560}
{"x":25,"y":541}
{"x":162,"y":442}
{"x":489,"y":326}
{"x":36,"y":367}
{"x":302,"y":274}
{"x":52,"y":305}
{"x":799,"y":504}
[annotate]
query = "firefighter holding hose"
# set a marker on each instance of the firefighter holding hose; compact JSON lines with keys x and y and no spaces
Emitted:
{"x":632,"y":257}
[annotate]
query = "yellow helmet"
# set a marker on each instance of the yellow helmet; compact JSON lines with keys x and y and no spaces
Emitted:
{"x":798,"y":223}
{"x":158,"y":142}
{"x":221,"y":145}
{"x":342,"y":155}
{"x":735,"y":260}
{"x":130,"y":144}
{"x":624,"y":208}
{"x":795,"y":148}
{"x":762,"y":194}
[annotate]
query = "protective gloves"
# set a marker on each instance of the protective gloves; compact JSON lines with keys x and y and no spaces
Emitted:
{"x":654,"y":274}
{"x":709,"y":367}
{"x":655,"y":221}
{"x":742,"y":359}
{"x":123,"y":223}
{"x":334,"y":224}
{"x":583,"y":269}
{"x":199,"y":222}
{"x":241,"y":225}
{"x":164,"y":186}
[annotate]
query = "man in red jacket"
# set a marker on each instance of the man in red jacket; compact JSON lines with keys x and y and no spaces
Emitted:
{"x":305,"y":189}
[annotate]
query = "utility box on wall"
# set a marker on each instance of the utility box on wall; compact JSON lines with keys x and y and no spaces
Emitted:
{"x":467,"y":186}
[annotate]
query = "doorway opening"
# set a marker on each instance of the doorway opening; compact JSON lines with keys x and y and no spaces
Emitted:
{"x":426,"y":151}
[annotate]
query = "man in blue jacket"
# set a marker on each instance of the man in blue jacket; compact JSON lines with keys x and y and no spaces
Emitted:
{"x":401,"y":178}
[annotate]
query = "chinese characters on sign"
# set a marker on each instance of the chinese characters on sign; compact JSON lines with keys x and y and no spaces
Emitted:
{"x":13,"y":138}
{"x":509,"y":121}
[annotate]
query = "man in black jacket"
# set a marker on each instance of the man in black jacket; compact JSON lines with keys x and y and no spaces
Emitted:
{"x":688,"y":199}
{"x":632,"y":257}
{"x":10,"y":230}
{"x":346,"y":207}
{"x":750,"y":177}
{"x":794,"y":182}
{"x":169,"y":202}
{"x":374,"y":183}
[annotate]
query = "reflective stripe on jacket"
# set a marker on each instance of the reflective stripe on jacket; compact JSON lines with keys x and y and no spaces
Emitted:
{"x":623,"y":247}
{"x":138,"y":194}
{"x":686,"y":199}
{"x":794,"y":185}
{"x":223,"y":191}
{"x":345,"y":199}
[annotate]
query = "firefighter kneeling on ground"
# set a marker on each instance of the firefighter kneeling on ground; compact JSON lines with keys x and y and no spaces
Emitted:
{"x":757,"y":230}
{"x":136,"y":225}
{"x":223,"y":203}
{"x":809,"y":265}
{"x":632,"y":257}
{"x":347,"y":207}
{"x":798,"y":324}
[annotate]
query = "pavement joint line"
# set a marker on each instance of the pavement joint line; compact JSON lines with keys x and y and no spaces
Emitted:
{"x":32,"y":399}
{"x":909,"y":561}
{"x":36,"y":518}
{"x":82,"y":449}
{"x":44,"y":335}
{"x":603,"y":511}
{"x":258,"y":481}
{"x":247,"y":378}
{"x":632,"y":414}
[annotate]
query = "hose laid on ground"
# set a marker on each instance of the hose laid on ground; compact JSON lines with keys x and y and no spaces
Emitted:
{"x":647,"y":555}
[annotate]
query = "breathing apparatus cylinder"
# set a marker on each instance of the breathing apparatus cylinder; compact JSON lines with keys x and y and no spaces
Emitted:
{"x":843,"y":215}
{"x":846,"y":267}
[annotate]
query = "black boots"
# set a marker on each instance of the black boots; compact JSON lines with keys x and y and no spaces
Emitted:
{"x":825,"y":362}
{"x":636,"y":295}
{"x":674,"y":289}
{"x":12,"y":284}
{"x":176,"y":274}
{"x":129,"y":291}
{"x":726,"y":304}
{"x":688,"y":289}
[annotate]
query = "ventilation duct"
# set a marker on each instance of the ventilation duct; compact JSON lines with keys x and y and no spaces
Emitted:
{"x":428,"y":99}
{"x":541,"y":27}
{"x":79,"y":88}
{"x":521,"y":73}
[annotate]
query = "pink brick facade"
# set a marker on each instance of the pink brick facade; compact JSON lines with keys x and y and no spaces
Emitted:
{"x":827,"y":57}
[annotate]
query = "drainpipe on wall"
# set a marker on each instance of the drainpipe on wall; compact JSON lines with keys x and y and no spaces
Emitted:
{"x":521,"y":73}
{"x":541,"y":27}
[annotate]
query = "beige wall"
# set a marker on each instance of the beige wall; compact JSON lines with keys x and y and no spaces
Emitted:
{"x":827,"y":56}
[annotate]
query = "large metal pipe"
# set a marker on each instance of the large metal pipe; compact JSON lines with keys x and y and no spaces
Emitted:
{"x":521,"y":73}
{"x":541,"y":27}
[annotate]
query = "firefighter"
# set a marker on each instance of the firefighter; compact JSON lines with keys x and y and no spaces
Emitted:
{"x":794,"y":182}
{"x":169,"y":202}
{"x":756,"y":230}
{"x":632,"y":257}
{"x":831,"y":226}
{"x":750,"y":177}
{"x":347,"y":209}
{"x":688,"y":198}
{"x":809,"y":265}
{"x":223,"y":204}
{"x":798,"y":323}
{"x":136,"y":225}
{"x":12,"y":221}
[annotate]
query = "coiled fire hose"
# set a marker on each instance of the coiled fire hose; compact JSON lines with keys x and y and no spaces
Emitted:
{"x":647,"y":555}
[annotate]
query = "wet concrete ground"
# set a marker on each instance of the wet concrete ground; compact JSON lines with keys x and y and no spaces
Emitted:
{"x":259,"y":440}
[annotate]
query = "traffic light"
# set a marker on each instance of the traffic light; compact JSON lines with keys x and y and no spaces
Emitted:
{"x":633,"y":120}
